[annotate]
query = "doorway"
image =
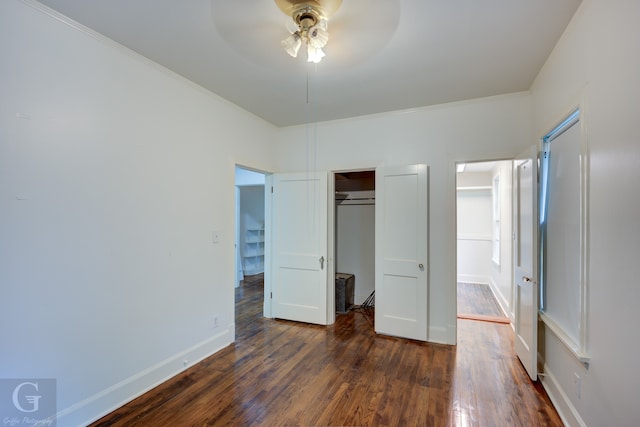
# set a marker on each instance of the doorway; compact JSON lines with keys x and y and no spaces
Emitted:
{"x":249,"y":231}
{"x":483,"y":240}
{"x":354,"y":228}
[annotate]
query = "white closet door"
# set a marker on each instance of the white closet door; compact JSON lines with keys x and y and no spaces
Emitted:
{"x":401,"y":251}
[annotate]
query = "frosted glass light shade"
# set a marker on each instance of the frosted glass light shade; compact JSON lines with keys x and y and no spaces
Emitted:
{"x":318,"y":36}
{"x":314,"y":54}
{"x":292,"y":44}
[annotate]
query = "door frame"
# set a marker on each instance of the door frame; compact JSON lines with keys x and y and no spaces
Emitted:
{"x":331,"y":239}
{"x":453,"y":173}
{"x":267,"y":230}
{"x":268,"y":214}
{"x":331,"y":242}
{"x":509,"y":313}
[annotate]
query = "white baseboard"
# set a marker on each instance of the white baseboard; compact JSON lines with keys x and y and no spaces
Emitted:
{"x":568,"y":413}
{"x":502,"y":301}
{"x":100,"y":404}
{"x":472,"y":278}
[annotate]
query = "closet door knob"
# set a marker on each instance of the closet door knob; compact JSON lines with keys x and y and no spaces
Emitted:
{"x":421,"y":267}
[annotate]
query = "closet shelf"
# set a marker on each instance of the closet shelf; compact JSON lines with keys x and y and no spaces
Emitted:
{"x":253,"y":253}
{"x":367,"y":197}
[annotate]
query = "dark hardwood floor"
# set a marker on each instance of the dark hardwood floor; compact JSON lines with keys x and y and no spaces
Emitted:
{"x":284,"y":373}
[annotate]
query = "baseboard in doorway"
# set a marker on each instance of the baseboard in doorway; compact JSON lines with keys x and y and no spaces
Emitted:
{"x":483,"y":318}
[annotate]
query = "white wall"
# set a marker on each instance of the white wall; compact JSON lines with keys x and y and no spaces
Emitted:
{"x":501,"y":276}
{"x":474,"y":218}
{"x":597,"y":62}
{"x":114,"y":173}
{"x":355,"y":246}
{"x":482,"y":129}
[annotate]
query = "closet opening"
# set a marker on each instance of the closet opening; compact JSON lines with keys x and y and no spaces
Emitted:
{"x":354,"y":243}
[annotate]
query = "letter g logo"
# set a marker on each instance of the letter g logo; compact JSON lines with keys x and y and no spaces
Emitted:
{"x":33,"y":400}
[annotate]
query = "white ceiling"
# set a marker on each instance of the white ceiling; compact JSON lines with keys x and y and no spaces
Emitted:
{"x":382,"y":55}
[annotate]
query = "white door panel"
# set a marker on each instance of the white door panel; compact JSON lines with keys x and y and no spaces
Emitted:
{"x":401,"y":251}
{"x":299,"y":277}
{"x":525,"y":260}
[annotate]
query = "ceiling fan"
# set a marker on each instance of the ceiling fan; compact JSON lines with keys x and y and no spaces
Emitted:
{"x":311,"y":18}
{"x":358,"y":28}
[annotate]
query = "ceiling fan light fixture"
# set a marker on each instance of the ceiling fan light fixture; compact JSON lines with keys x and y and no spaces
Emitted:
{"x":292,"y":44}
{"x":314,"y":54}
{"x":311,"y":17}
{"x":317,"y":36}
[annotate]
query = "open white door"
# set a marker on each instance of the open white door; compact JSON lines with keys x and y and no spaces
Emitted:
{"x":525,"y":259}
{"x":401,"y":251}
{"x":299,"y":244}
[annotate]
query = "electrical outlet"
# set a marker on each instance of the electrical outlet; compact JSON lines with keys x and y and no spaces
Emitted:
{"x":577,"y":381}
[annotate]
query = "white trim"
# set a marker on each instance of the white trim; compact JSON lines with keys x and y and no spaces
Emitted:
{"x":481,"y":237}
{"x":567,"y":412}
{"x":584,"y":228}
{"x":332,"y":205}
{"x":570,"y":344}
{"x":579,"y":349}
{"x":475,"y":188}
{"x":472,"y":278}
{"x":100,"y":404}
{"x":268,"y":268}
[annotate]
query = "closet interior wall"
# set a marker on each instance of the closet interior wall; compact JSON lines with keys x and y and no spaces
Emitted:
{"x":355,"y":230}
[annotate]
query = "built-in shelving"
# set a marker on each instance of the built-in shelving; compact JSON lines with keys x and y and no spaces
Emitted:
{"x":253,"y":251}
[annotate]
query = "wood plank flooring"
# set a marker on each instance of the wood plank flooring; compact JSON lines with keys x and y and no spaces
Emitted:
{"x":281,"y":373}
{"x":477,"y":298}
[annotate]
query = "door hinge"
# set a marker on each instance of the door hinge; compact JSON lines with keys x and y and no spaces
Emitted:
{"x":271,"y":295}
{"x":272,"y":189}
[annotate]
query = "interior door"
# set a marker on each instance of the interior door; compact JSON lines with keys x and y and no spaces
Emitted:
{"x":525,"y":260}
{"x":401,"y":251}
{"x":299,"y":245}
